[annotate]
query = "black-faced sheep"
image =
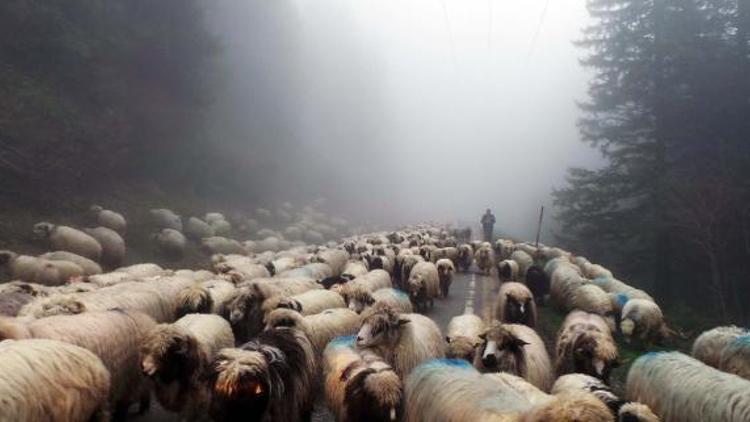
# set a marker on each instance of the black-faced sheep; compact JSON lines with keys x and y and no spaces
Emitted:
{"x":114,"y":336}
{"x":538,"y":282}
{"x":245,"y":307}
{"x":403,"y":340}
{"x":109,"y":219}
{"x":465,"y":257}
{"x":507,"y":270}
{"x":47,"y":380}
{"x":209,"y":297}
{"x":358,"y":388}
{"x":113,"y":245}
{"x":66,"y":238}
{"x":485,"y":259}
{"x":623,"y":410}
{"x":516,"y":349}
{"x":515,"y":304}
{"x":319,"y":328}
{"x":463,"y":336}
{"x":585,"y":345}
{"x":680,"y":388}
{"x":708,"y":346}
{"x":451,"y":390}
{"x":268,"y":379}
{"x":176,"y":357}
{"x":445,"y":275}
{"x":359,"y":299}
{"x":170,"y":243}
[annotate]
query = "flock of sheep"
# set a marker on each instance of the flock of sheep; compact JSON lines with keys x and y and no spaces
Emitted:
{"x":277,"y":318}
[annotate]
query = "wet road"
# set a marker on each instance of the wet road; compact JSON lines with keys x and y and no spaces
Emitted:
{"x":470,"y":292}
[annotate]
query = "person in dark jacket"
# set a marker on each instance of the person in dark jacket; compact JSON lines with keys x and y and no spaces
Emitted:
{"x":488,"y":223}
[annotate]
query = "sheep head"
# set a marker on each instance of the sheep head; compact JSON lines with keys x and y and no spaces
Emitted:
{"x":6,"y":257}
{"x":241,"y":382}
{"x":502,"y":350}
{"x":374,"y":394}
{"x":381,"y":326}
{"x":284,"y":318}
{"x":43,"y":230}
{"x":194,"y":300}
{"x":359,"y":299}
{"x":170,"y":353}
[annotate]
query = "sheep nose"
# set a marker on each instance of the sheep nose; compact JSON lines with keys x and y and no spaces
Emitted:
{"x":489,"y":360}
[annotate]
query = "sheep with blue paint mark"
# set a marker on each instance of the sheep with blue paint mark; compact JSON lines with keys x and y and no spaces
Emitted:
{"x":708,"y":346}
{"x":735,"y":357}
{"x":360,"y":387}
{"x":682,"y":389}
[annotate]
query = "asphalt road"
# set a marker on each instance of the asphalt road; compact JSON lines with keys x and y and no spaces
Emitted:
{"x":470,"y":292}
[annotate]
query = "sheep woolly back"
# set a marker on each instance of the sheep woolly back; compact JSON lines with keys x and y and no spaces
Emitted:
{"x":735,"y":357}
{"x":708,"y":346}
{"x":46,"y":380}
{"x":682,"y":389}
{"x":319,"y":328}
{"x":452,"y":390}
{"x":397,"y":299}
{"x":114,"y":336}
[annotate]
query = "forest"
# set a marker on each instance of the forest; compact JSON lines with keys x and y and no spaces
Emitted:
{"x":669,"y":108}
{"x":104,"y":93}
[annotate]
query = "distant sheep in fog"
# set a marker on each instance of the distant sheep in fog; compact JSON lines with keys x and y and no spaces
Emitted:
{"x":109,"y":219}
{"x":166,"y":219}
{"x":66,"y":238}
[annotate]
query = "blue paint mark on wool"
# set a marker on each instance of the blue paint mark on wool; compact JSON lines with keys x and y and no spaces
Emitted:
{"x":345,"y":341}
{"x":622,"y":299}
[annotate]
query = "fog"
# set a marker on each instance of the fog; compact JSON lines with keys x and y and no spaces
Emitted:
{"x":400,"y":111}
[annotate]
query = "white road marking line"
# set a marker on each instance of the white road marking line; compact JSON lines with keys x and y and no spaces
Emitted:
{"x":469,"y":307}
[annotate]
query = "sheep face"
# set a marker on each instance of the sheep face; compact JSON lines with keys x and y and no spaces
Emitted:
{"x":241,"y":383}
{"x":359,"y":300}
{"x":245,"y":312}
{"x":43,"y":230}
{"x":194,"y":300}
{"x":374,"y":395}
{"x":502,"y":351}
{"x":381,"y":326}
{"x":169,"y":354}
{"x":289,"y":303}
{"x":516,"y":310}
{"x":587,"y":359}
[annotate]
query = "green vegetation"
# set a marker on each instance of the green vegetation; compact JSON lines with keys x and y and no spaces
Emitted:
{"x":668,"y":106}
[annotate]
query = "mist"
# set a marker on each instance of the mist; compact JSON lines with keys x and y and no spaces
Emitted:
{"x":403,"y":111}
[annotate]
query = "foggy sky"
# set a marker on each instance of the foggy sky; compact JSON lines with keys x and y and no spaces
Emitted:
{"x":404,"y":110}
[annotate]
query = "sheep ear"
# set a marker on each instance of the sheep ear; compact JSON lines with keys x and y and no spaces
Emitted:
{"x":403,"y":321}
{"x":483,"y":336}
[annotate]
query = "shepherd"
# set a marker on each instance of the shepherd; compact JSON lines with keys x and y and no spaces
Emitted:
{"x":488,"y":223}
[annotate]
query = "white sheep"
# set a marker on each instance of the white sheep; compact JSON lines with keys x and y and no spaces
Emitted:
{"x":46,"y":380}
{"x":448,"y":390}
{"x":89,"y":267}
{"x":166,"y":219}
{"x":221,"y":245}
{"x":643,"y":320}
{"x":680,"y":388}
{"x":402,"y":340}
{"x":66,"y":238}
{"x":113,"y":245}
{"x":114,"y":336}
{"x":708,"y":346}
{"x":446,"y":269}
{"x":307,"y":303}
{"x":170,"y":243}
{"x":319,"y":328}
{"x":463,"y":336}
{"x":485,"y":258}
{"x":197,"y":229}
{"x":423,"y":285}
{"x":585,"y":345}
{"x":110,"y":219}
